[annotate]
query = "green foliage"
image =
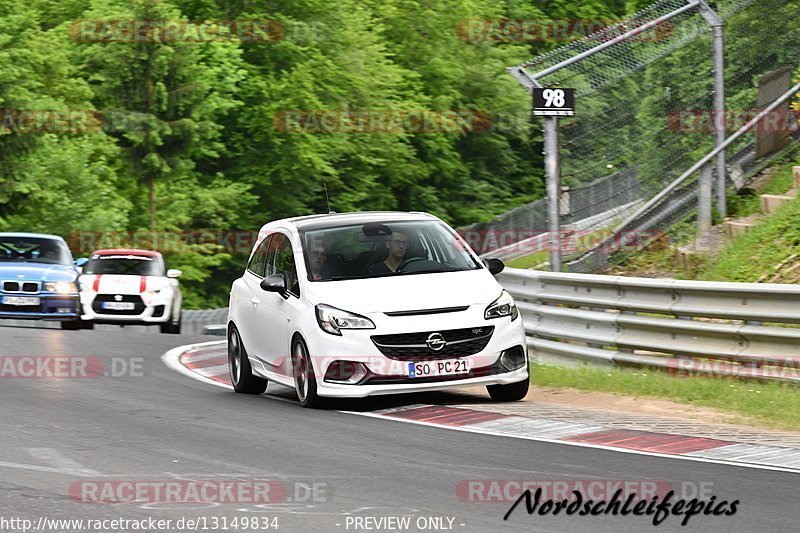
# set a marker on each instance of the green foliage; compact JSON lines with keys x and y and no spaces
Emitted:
{"x":191,"y":136}
{"x":758,"y":251}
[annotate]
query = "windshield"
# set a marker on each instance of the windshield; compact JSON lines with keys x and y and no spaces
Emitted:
{"x":384,"y":249}
{"x":132,"y":265}
{"x":34,"y":250}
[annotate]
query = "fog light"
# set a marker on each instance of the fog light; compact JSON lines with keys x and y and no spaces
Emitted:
{"x":347,"y":372}
{"x":64,"y":310}
{"x":513,"y":358}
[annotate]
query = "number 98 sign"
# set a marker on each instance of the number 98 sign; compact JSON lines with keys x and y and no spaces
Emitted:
{"x":553,"y":102}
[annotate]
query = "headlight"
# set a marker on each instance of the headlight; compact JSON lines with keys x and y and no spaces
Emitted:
{"x":333,"y":320}
{"x":503,"y":306}
{"x":61,"y":287}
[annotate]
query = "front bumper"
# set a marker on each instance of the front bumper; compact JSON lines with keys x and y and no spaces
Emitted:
{"x":155,"y":310}
{"x":385,"y":375}
{"x":362,"y":391}
{"x":52,"y":307}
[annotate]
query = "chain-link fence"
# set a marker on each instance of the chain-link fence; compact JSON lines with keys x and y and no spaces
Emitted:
{"x":645,"y":106}
{"x":595,"y":202}
{"x":601,"y":196}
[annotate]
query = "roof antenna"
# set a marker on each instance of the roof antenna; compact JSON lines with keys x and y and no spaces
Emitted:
{"x":330,"y":211}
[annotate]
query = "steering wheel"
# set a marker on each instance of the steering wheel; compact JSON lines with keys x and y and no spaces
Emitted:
{"x":407,"y":262}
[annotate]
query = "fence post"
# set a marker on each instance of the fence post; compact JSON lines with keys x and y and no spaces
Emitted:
{"x":719,"y":107}
{"x":720,"y":122}
{"x":552,"y":164}
{"x":704,"y":200}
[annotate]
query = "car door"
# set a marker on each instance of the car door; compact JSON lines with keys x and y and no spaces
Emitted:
{"x":276,"y":312}
{"x":249,"y":296}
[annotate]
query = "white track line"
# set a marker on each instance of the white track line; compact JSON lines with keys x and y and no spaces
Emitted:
{"x":172,"y":360}
{"x":60,"y":461}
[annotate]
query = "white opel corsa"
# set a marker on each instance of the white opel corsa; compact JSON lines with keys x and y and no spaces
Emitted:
{"x":133,"y":287}
{"x":360,"y":304}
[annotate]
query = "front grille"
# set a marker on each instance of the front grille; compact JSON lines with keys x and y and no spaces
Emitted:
{"x":20,"y":308}
{"x":412,"y":346}
{"x":26,"y":287}
{"x":428,"y":311}
{"x":138,"y":309}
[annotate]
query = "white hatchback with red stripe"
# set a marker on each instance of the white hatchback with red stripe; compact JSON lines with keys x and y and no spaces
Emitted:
{"x":122,"y":286}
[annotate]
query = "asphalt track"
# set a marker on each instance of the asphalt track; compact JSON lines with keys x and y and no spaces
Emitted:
{"x":157,"y":424}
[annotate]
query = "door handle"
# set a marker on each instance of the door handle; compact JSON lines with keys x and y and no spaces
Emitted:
{"x":255,"y":301}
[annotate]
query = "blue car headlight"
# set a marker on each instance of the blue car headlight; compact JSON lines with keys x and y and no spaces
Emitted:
{"x":61,"y":287}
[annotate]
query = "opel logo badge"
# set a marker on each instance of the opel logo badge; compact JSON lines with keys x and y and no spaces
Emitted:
{"x":436,"y":342}
{"x":118,"y":298}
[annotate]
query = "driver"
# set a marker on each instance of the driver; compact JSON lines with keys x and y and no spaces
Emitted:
{"x":397,"y":245}
{"x":49,"y":253}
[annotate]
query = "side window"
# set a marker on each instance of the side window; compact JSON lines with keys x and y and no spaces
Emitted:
{"x":284,"y":263}
{"x":272,"y":251}
{"x":257,"y":262}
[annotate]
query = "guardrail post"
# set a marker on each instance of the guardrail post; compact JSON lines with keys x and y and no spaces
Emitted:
{"x":704,"y":201}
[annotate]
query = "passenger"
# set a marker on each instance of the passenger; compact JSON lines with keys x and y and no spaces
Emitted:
{"x":397,"y":245}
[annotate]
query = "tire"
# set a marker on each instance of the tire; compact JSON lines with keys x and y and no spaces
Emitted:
{"x":305,"y":383}
{"x":71,"y":325}
{"x":512,"y":392}
{"x":86,"y":324}
{"x":172,"y":329}
{"x":242,"y":378}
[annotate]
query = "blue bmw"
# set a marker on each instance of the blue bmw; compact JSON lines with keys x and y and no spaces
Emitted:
{"x":38,"y":279}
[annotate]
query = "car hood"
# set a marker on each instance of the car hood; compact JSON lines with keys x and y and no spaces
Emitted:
{"x":408,"y":293}
{"x":37,"y":272}
{"x":122,"y":283}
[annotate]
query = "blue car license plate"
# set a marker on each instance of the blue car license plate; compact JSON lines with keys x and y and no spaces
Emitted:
{"x":21,"y":300}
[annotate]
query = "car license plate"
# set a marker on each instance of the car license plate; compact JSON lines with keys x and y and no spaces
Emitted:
{"x":446,"y":367}
{"x":21,"y":300}
{"x":119,"y":306}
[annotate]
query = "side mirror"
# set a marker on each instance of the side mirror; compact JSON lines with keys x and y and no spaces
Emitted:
{"x":274,"y":283}
{"x":174,"y":273}
{"x":79,"y":264}
{"x":494,"y":265}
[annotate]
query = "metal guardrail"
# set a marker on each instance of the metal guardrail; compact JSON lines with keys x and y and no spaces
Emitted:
{"x":687,"y":326}
{"x":205,"y":322}
{"x":696,"y":327}
{"x":195,"y":322}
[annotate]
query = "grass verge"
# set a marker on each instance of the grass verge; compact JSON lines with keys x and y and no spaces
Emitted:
{"x":767,"y":404}
{"x":759,"y":251}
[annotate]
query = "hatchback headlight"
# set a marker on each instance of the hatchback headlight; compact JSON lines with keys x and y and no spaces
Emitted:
{"x":60,"y":287}
{"x":333,"y":320}
{"x":503,"y":306}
